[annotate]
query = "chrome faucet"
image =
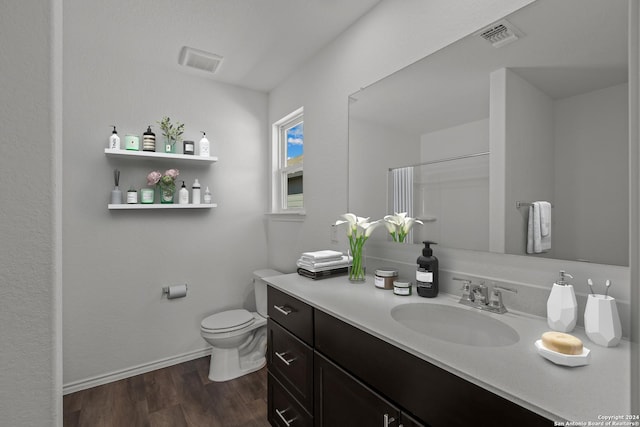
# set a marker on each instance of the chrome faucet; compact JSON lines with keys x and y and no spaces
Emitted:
{"x":477,"y":296}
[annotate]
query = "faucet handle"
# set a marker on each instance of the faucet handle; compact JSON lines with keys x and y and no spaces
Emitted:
{"x":495,"y":301}
{"x":466,"y":288}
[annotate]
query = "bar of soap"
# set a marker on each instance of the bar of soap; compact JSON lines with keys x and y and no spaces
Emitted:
{"x":562,"y":343}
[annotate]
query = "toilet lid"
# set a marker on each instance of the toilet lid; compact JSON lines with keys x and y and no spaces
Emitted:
{"x":228,"y":320}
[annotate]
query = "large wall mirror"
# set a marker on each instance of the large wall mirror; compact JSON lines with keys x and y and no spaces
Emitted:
{"x":468,"y":137}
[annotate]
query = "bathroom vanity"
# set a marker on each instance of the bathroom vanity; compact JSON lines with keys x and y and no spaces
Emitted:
{"x":337,"y":356}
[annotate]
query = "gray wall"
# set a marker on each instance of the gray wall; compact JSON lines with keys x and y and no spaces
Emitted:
{"x":30,"y":368}
{"x":591,"y":134}
{"x":116,"y":262}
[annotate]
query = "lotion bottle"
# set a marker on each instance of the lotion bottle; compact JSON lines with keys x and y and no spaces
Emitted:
{"x":195,"y":192}
{"x":204,"y":146}
{"x":183,"y":195}
{"x":562,"y":307}
{"x":427,"y":273}
{"x":114,"y":139}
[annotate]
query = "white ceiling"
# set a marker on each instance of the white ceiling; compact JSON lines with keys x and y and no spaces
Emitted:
{"x":262,"y":41}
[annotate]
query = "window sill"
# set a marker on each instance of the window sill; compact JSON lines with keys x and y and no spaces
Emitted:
{"x":287,"y":216}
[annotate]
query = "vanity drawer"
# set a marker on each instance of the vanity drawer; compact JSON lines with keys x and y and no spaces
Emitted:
{"x":283,"y":409}
{"x":291,"y":361}
{"x":291,"y":313}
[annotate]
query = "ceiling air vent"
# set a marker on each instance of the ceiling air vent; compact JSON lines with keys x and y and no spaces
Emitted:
{"x":199,"y":59}
{"x":500,"y":33}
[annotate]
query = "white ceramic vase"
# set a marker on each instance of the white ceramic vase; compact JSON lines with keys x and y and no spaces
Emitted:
{"x":601,"y":320}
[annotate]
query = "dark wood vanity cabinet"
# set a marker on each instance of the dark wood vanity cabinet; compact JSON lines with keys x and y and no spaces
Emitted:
{"x":342,"y":400}
{"x":327,"y":373}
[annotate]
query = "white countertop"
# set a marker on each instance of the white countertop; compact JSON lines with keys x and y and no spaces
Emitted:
{"x":516,"y":372}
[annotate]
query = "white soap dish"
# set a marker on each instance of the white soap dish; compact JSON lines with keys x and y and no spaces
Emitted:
{"x":564,"y":359}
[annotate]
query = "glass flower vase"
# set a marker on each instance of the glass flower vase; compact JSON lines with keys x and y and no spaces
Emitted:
{"x":166,"y":194}
{"x":169,"y":145}
{"x":357,"y":269}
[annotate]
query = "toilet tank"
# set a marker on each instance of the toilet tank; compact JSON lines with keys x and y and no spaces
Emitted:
{"x":260,"y":287}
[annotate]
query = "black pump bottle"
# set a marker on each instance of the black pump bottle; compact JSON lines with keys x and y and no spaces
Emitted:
{"x":427,"y":273}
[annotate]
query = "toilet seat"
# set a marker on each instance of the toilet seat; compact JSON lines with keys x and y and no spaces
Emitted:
{"x":227,"y":321}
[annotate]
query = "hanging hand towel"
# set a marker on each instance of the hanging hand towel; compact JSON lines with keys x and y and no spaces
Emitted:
{"x":537,"y":242}
{"x":545,"y":219}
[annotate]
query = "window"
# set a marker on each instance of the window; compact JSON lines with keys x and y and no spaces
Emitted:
{"x":288,"y":155}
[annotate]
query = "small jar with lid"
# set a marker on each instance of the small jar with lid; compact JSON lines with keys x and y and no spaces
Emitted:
{"x":384,"y":278}
{"x":401,"y":288}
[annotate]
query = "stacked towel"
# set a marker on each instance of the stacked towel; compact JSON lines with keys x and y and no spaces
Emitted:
{"x":321,"y":264}
{"x":539,"y":230}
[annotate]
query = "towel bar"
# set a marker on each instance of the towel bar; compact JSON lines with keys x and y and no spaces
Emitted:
{"x":525,"y":204}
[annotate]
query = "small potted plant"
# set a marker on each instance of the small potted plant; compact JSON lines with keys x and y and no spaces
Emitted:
{"x":172,"y":133}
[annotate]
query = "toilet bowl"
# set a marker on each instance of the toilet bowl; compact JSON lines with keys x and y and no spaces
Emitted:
{"x":238,"y":338}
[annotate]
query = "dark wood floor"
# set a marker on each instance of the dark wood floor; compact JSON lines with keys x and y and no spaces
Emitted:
{"x":177,"y":396}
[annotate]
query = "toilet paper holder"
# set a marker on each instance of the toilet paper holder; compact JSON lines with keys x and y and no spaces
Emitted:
{"x":176,"y":291}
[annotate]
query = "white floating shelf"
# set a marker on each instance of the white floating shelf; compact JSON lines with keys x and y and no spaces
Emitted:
{"x":131,"y":154}
{"x":159,"y":206}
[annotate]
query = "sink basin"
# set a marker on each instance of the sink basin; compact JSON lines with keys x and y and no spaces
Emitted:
{"x":455,"y":324}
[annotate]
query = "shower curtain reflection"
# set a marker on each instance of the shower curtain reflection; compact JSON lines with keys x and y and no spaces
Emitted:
{"x":450,"y":196}
{"x":403,"y":194}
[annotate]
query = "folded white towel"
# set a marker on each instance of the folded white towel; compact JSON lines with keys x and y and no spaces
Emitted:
{"x":344,"y":261}
{"x":545,"y":218}
{"x":537,"y":242}
{"x":322,"y":255}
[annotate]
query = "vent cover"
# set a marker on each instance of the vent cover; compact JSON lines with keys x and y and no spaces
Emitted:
{"x":199,"y":59}
{"x":500,"y":33}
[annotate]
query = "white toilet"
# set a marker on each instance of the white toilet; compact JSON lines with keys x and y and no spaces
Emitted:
{"x":238,"y":337}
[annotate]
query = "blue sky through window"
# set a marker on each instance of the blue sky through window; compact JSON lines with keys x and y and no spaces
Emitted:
{"x":295,"y":141}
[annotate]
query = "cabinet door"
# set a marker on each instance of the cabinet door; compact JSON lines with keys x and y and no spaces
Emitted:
{"x":341,"y":400}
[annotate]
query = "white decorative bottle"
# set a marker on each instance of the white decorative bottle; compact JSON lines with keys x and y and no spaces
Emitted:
{"x":183,"y":195}
{"x":114,"y":140}
{"x":195,"y":193}
{"x":207,"y":196}
{"x":204,"y":146}
{"x":562,"y":307}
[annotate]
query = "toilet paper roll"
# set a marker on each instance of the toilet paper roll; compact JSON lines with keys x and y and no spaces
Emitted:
{"x":177,"y":291}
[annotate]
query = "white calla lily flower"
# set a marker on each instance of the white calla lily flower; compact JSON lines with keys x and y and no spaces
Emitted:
{"x":399,"y":225}
{"x":359,"y":229}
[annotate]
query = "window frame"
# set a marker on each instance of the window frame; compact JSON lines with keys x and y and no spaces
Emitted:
{"x":279,"y":168}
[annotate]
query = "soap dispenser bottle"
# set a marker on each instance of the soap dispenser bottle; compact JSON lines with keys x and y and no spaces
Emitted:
{"x":427,"y":273}
{"x":114,"y":139}
{"x":183,"y":195}
{"x":204,"y":146}
{"x":562,"y":307}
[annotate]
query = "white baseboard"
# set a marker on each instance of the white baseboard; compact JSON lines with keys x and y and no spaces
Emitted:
{"x":133,"y":371}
